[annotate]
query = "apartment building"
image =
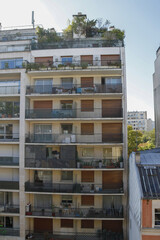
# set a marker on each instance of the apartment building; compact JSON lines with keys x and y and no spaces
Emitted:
{"x":144,"y":195}
{"x":63,"y":141}
{"x":156,"y":91}
{"x":138,"y":120}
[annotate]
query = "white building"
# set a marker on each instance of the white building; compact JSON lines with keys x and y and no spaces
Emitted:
{"x":138,"y":120}
{"x":63,"y":136}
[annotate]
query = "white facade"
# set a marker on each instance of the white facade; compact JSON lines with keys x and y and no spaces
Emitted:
{"x":17,"y":130}
{"x":138,"y":120}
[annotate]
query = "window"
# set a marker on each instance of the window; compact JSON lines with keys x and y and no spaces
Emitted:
{"x":66,"y":104}
{"x":116,"y":80}
{"x":67,"y":176}
{"x":6,"y":222}
{"x":67,"y":200}
{"x":87,"y":200}
{"x":11,"y":63}
{"x":87,"y":128}
{"x":87,"y":176}
{"x":43,"y":176}
{"x":66,"y":223}
{"x":43,"y":85}
{"x":43,"y":132}
{"x":67,"y":82}
{"x":157,"y":217}
{"x":87,"y":105}
{"x":87,"y":223}
{"x":66,"y":60}
{"x":88,"y":152}
{"x":6,"y":131}
{"x":66,"y":128}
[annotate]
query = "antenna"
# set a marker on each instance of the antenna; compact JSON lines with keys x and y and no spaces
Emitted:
{"x":33,"y":21}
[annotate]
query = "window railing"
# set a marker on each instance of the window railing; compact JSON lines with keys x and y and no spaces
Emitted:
{"x":99,"y":235}
{"x":9,"y":208}
{"x":68,"y":212}
{"x":12,"y":185}
{"x":9,"y":137}
{"x":73,"y":188}
{"x":9,"y":161}
{"x":74,"y":138}
{"x":11,"y":63}
{"x":52,"y":162}
{"x":9,"y":90}
{"x":75,"y":113}
{"x":9,"y":231}
{"x":74,"y":89}
{"x":74,"y":65}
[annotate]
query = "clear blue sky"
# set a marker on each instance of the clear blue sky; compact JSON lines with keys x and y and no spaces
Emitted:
{"x":139,"y":18}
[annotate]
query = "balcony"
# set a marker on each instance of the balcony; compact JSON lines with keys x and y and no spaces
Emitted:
{"x":83,"y":163}
{"x":14,"y":63}
{"x":67,"y":212}
{"x":8,"y":208}
{"x":9,"y":137}
{"x":9,"y":161}
{"x":9,"y":90}
{"x":74,"y":65}
{"x":74,"y":113}
{"x":9,"y":232}
{"x":74,"y":138}
{"x":100,"y":235}
{"x":73,"y":188}
{"x":74,"y":89}
{"x":9,"y":185}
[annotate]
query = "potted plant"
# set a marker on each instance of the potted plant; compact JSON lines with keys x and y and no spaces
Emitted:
{"x":9,"y":109}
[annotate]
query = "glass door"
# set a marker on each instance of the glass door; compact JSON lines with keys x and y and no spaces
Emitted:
{"x":43,"y":133}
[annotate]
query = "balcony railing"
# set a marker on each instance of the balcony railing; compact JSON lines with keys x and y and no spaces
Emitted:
{"x":12,"y":113}
{"x":9,"y":137}
{"x":9,"y":231}
{"x":75,"y":113}
{"x":9,"y":90}
{"x":12,"y":185}
{"x":53,"y":162}
{"x":74,"y":89}
{"x":8,"y":208}
{"x":9,"y":161}
{"x":73,"y":188}
{"x":74,"y":65}
{"x":12,"y":63}
{"x":68,"y":212}
{"x":100,"y":235}
{"x":74,"y":138}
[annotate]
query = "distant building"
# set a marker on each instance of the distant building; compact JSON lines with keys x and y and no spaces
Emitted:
{"x":144,"y":195}
{"x":150,"y":124}
{"x":138,"y":120}
{"x":156,"y":88}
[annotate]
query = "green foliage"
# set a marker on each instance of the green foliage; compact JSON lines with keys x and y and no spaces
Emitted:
{"x":47,"y":35}
{"x":120,"y":35}
{"x":140,"y":141}
{"x":134,"y":139}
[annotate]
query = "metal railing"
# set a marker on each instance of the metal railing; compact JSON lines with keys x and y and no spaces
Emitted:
{"x":9,"y":90}
{"x":15,"y":48}
{"x":73,"y":188}
{"x":9,"y":231}
{"x":9,"y":137}
{"x":74,"y":89}
{"x":9,"y":161}
{"x":12,"y":185}
{"x":74,"y":138}
{"x":73,"y":65}
{"x":53,"y":162}
{"x":75,"y":113}
{"x":100,"y":235}
{"x":12,"y":64}
{"x":79,"y":43}
{"x":9,"y":208}
{"x":68,"y":212}
{"x":11,"y":113}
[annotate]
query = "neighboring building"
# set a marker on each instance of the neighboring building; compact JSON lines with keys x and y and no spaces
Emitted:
{"x":63,"y":135}
{"x":144,"y":195}
{"x":156,"y":89}
{"x":138,"y":120}
{"x":150,"y":124}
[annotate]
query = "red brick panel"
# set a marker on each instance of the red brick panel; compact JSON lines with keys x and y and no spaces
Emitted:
{"x":145,"y":237}
{"x":147,"y":214}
